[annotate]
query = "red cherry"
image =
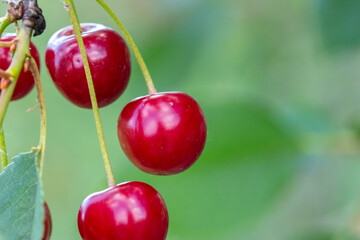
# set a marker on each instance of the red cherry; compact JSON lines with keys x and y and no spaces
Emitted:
{"x":109,"y":62}
{"x":128,"y":211}
{"x":25,"y":81}
{"x":47,"y":223}
{"x":162,"y":133}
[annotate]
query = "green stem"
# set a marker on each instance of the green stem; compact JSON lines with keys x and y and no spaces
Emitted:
{"x":42,"y":143}
{"x":77,"y":31}
{"x":4,"y":161}
{"x":4,"y":24}
{"x":15,"y":67}
{"x":144,"y":69}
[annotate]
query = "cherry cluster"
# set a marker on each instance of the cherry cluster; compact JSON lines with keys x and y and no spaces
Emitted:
{"x":161,"y":133}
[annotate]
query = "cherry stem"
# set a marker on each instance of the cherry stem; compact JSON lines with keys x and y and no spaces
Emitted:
{"x":144,"y":69}
{"x":4,"y":24}
{"x":4,"y":161}
{"x":77,"y":30}
{"x":40,"y":96}
{"x":15,"y":67}
{"x":13,"y":73}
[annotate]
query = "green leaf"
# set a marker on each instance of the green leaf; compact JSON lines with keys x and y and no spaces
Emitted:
{"x":21,"y":200}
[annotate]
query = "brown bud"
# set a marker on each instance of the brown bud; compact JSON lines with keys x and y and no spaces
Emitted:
{"x":4,"y":83}
{"x":26,"y":64}
{"x":13,"y":47}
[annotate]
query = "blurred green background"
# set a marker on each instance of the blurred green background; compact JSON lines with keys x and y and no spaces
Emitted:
{"x":279,"y":84}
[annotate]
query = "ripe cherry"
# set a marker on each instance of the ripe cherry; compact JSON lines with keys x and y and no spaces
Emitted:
{"x":162,"y":133}
{"x":109,"y":62}
{"x":128,"y":211}
{"x":25,"y":81}
{"x":47,"y":223}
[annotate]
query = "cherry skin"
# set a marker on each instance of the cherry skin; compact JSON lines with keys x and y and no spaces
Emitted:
{"x":25,"y":82}
{"x":109,"y":62}
{"x":47,"y":223}
{"x":128,"y":211}
{"x":162,"y":133}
